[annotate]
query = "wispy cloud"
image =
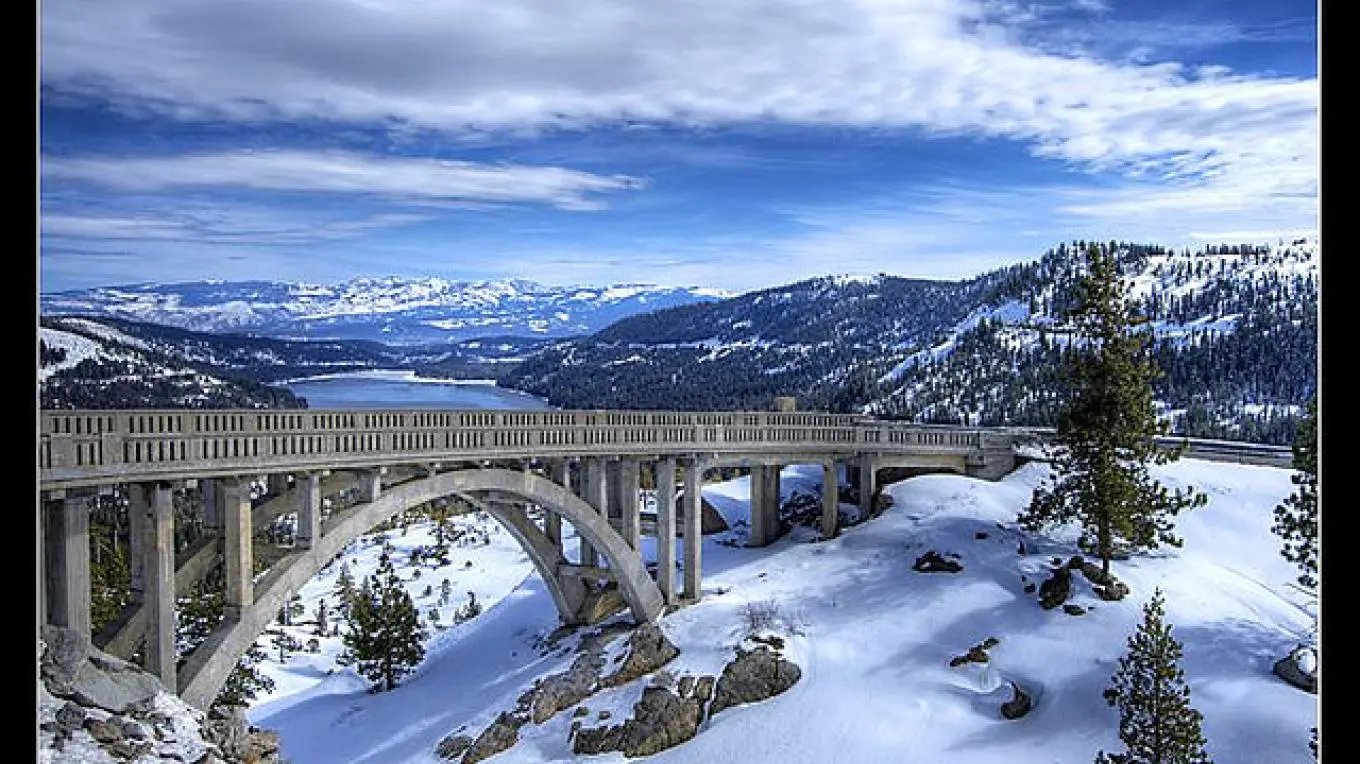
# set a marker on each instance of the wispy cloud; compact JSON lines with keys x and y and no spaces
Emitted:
{"x":343,"y":173}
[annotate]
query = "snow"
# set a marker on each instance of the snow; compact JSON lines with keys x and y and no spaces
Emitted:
{"x":872,"y":636}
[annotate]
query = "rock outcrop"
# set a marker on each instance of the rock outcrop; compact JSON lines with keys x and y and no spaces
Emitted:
{"x":932,"y":562}
{"x":753,"y":676}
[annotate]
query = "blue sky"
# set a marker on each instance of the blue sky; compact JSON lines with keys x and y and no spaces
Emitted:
{"x":706,"y":142}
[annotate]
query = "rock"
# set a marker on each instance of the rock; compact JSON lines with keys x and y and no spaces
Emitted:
{"x":604,"y":714}
{"x":1074,"y":609}
{"x":453,"y":746}
{"x":771,"y":640}
{"x":753,"y":676}
{"x":73,"y":669}
{"x":1095,"y":574}
{"x":588,"y":741}
{"x":663,"y":678}
{"x":932,"y":562}
{"x":1030,"y":587}
{"x":990,"y":642}
{"x":686,"y":686}
{"x":580,"y":711}
{"x":1018,"y":705}
{"x":503,"y":733}
{"x":1112,"y":592}
{"x":703,"y":687}
{"x":238,"y":739}
{"x":660,"y":720}
{"x":601,"y":604}
{"x":1288,"y":669}
{"x":980,"y":535}
{"x":103,"y":731}
{"x":564,"y":690}
{"x":648,"y":650}
{"x":71,"y":716}
{"x":1057,"y":589}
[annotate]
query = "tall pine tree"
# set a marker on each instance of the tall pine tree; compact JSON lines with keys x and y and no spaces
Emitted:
{"x":385,"y":636}
{"x":1296,"y":520}
{"x":1157,"y":724}
{"x":1106,"y":432}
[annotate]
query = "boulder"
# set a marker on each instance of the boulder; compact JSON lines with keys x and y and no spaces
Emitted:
{"x":648,"y":650}
{"x":753,"y":676}
{"x":1113,"y":591}
{"x":503,"y":733}
{"x":932,"y":562}
{"x":564,"y":690}
{"x":1291,"y":668}
{"x":453,"y":746}
{"x":1018,"y":705}
{"x":1074,"y":609}
{"x":74,"y":669}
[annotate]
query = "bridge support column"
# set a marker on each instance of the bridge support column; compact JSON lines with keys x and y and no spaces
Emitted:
{"x":868,"y":491}
{"x":276,"y":484}
{"x":214,"y":503}
{"x":308,"y":510}
{"x":239,"y":563}
{"x":552,"y":522}
{"x":160,"y":576}
{"x":629,"y":479}
{"x":830,"y":500}
{"x":594,"y":486}
{"x":764,"y":505}
{"x":369,"y":484}
{"x":665,"y":529}
{"x":67,"y":531}
{"x":140,"y":539}
{"x":694,"y":528}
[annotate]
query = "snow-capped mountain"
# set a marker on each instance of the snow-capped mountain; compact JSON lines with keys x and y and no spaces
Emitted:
{"x":392,"y":310}
{"x":1235,"y":334}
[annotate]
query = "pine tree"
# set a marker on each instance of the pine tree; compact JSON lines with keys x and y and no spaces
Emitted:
{"x":1156,"y":721}
{"x":344,"y":589}
{"x":1105,"y":434}
{"x":1296,"y":520}
{"x":245,"y":681}
{"x":385,"y":634}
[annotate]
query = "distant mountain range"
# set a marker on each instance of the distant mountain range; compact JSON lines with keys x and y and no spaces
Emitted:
{"x":1235,"y":333}
{"x":389,"y":310}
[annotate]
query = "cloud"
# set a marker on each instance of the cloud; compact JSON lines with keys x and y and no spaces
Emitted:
{"x":338,"y":172}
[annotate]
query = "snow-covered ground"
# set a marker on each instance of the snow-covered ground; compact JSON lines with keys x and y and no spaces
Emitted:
{"x":873,"y":638}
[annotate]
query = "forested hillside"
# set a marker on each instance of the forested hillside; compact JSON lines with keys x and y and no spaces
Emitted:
{"x":1235,"y":335}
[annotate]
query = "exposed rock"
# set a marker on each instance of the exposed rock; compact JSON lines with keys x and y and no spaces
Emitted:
{"x":1018,"y":705}
{"x":74,"y":669}
{"x":976,"y":654}
{"x":703,"y":688}
{"x":771,"y":640}
{"x":453,"y":746}
{"x":990,"y":642}
{"x":588,"y":741}
{"x":1074,"y":609}
{"x":1095,"y":574}
{"x":686,"y":686}
{"x":103,"y":730}
{"x":753,"y":676}
{"x":601,"y":604}
{"x":932,"y":562}
{"x":1292,"y":669}
{"x":564,"y":690}
{"x":1057,"y":589}
{"x":1113,"y":591}
{"x":660,"y":720}
{"x":238,"y":739}
{"x":604,"y":714}
{"x":503,"y":733}
{"x":648,"y":650}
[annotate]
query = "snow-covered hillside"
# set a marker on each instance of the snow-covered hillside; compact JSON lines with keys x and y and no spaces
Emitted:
{"x":874,"y":638}
{"x":390,"y":309}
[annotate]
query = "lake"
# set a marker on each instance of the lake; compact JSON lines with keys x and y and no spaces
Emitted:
{"x":402,"y":389}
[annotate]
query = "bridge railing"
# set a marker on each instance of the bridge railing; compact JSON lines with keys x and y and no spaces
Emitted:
{"x":89,"y":444}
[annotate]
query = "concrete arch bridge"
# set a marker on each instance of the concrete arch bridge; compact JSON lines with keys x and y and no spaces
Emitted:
{"x":530,"y":470}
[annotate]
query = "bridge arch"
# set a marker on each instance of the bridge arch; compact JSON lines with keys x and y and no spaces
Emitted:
{"x":203,"y":674}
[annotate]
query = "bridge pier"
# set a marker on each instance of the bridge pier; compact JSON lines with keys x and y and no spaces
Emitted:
{"x":594,"y":484}
{"x":240,"y":591}
{"x":560,"y":473}
{"x":308,"y":528}
{"x":866,"y":471}
{"x":627,"y":482}
{"x":665,"y":528}
{"x":764,"y":505}
{"x":693,"y":511}
{"x":830,"y":500}
{"x":66,"y":532}
{"x":159,"y":564}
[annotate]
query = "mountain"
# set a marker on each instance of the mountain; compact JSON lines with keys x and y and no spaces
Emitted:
{"x":1235,"y":332}
{"x":390,"y":310}
{"x":117,"y":363}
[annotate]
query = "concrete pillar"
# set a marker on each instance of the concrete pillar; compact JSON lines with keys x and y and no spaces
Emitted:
{"x":552,"y":522}
{"x":68,"y":563}
{"x":630,"y":510}
{"x":214,"y":503}
{"x":369,"y":484}
{"x":160,"y":579}
{"x":308,"y":510}
{"x":830,"y":500}
{"x":693,"y":511}
{"x":665,"y":529}
{"x":239,"y":563}
{"x":139,"y":538}
{"x":867,"y":467}
{"x":594,"y":487}
{"x":276,"y":483}
{"x":758,"y":535}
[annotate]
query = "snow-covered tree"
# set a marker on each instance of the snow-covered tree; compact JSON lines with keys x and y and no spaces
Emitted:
{"x":1157,"y":724}
{"x":1296,"y":520}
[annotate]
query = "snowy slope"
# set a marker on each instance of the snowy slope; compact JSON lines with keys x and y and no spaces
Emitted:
{"x":874,"y":639}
